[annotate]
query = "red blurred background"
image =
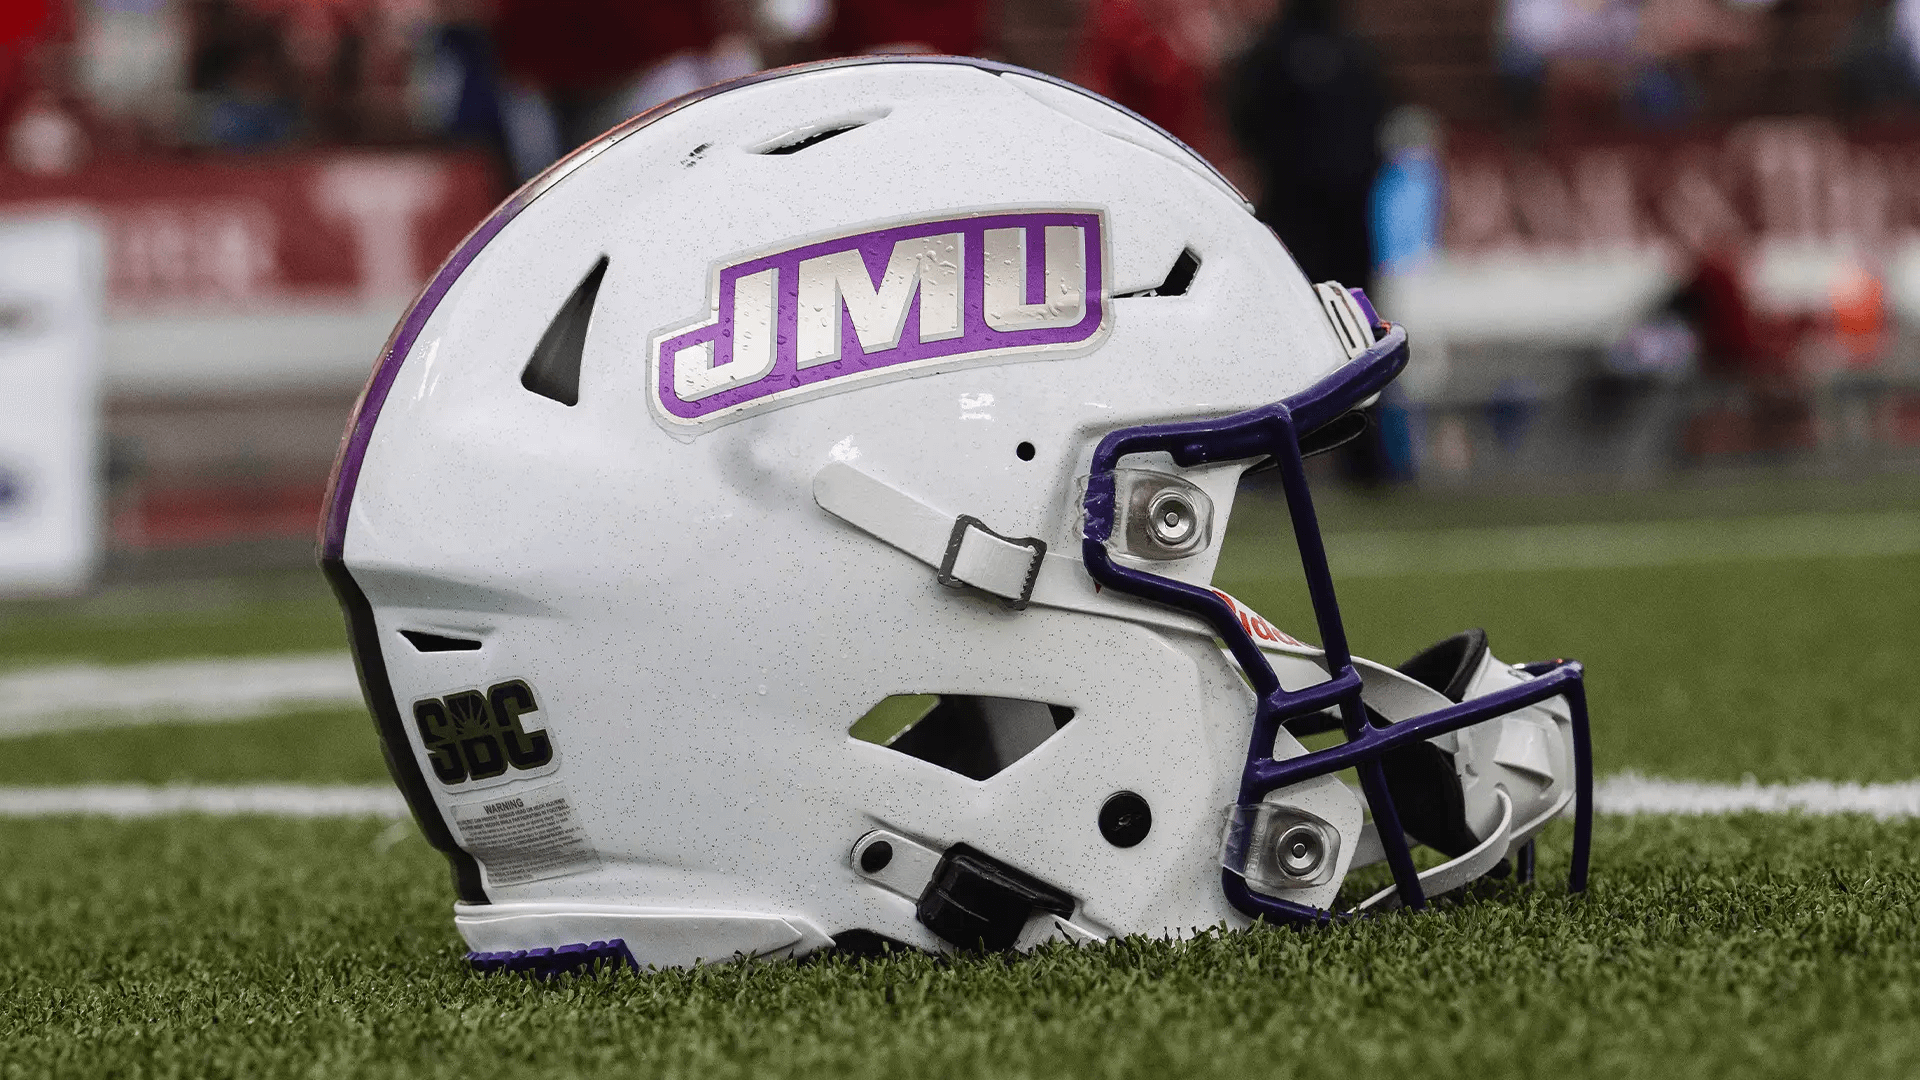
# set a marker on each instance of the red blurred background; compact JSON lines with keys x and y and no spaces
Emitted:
{"x":1631,"y":237}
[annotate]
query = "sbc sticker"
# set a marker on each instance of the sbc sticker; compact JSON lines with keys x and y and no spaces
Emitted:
{"x":473,"y":737}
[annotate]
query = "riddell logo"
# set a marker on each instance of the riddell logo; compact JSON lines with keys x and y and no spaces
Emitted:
{"x":1257,"y":627}
{"x":831,"y":315}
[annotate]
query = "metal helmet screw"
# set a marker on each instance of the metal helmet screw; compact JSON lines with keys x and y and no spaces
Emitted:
{"x":1301,"y":848}
{"x":1172,"y":518}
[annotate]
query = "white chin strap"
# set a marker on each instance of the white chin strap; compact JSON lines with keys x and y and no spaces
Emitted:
{"x":1467,"y":868}
{"x":1454,"y":873}
{"x":961,"y":547}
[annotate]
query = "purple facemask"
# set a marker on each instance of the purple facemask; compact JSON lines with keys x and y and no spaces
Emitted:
{"x":1279,"y":431}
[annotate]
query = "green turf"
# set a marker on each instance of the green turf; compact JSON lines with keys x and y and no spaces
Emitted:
{"x":1702,"y":496}
{"x":1735,"y":947}
{"x":328,"y":747}
{"x":231,"y":616}
{"x":1780,"y":669}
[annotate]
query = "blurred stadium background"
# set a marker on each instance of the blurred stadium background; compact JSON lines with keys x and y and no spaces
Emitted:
{"x":1639,"y":243}
{"x":1661,"y":264}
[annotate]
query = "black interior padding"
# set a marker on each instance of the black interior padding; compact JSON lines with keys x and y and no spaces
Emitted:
{"x":953,"y":736}
{"x":1426,"y":792}
{"x":956,"y":735}
{"x":1422,"y":778}
{"x":1449,"y":666}
{"x":554,"y":369}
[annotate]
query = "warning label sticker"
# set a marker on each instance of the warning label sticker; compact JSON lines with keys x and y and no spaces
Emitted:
{"x":525,"y":836}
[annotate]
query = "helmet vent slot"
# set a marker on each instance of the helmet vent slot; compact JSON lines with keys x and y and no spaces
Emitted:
{"x":426,"y":641}
{"x":1179,"y":277}
{"x":792,"y":142}
{"x":554,"y":369}
{"x":976,"y":737}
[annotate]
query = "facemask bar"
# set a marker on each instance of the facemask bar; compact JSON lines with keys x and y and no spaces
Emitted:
{"x":1275,"y":431}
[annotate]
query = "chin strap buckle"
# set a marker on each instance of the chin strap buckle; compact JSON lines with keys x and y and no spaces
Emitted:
{"x":970,"y":900}
{"x":978,"y":557}
{"x":974,"y":902}
{"x":964,"y":551}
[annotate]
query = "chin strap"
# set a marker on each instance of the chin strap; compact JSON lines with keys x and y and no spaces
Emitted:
{"x":1021,"y":571}
{"x":966,"y":898}
{"x":963,"y":550}
{"x":1457,"y":872}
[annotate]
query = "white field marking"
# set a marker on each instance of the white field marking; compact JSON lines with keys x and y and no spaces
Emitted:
{"x":1390,"y":553}
{"x":91,"y":695}
{"x":136,"y":801}
{"x":1631,"y":793}
{"x":1621,"y":794}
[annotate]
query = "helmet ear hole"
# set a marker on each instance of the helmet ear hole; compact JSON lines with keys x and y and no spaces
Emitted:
{"x":1336,"y":432}
{"x":974,"y":736}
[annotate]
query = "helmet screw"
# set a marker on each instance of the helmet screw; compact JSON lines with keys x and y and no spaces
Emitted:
{"x":1171,"y":518}
{"x":1125,"y":819}
{"x":875,"y":857}
{"x":1301,"y":849}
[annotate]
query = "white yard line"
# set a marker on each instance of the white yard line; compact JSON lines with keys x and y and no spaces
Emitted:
{"x":1390,"y":553}
{"x":136,"y":801}
{"x":90,"y":696}
{"x":87,"y":696}
{"x":1622,"y":794}
{"x":1631,"y":793}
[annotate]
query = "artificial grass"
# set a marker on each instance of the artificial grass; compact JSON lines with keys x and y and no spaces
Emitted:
{"x":247,"y":615}
{"x":335,"y":746}
{"x":1739,"y":947}
{"x":1778,"y":669}
{"x":1745,"y":946}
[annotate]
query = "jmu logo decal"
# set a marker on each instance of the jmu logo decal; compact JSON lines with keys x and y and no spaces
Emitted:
{"x":828,"y":315}
{"x":474,"y":737}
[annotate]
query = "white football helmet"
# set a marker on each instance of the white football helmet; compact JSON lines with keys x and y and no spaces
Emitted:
{"x":789,"y":522}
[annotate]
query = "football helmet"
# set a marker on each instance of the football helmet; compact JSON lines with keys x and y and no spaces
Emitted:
{"x":790,"y":522}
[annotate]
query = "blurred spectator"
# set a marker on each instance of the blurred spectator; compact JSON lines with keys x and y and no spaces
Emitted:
{"x":24,"y":25}
{"x":455,"y":83}
{"x":1307,"y":107}
{"x":1407,"y":196}
{"x":951,"y":27}
{"x":1150,"y":56}
{"x":575,"y":68}
{"x":243,"y":81}
{"x":1879,"y":58}
{"x":1753,"y":353}
{"x":43,"y":133}
{"x":1593,"y":64}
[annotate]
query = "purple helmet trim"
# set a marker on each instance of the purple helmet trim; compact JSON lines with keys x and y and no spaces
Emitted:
{"x":551,"y":963}
{"x":1366,"y":308}
{"x":1274,"y":431}
{"x":345,"y":476}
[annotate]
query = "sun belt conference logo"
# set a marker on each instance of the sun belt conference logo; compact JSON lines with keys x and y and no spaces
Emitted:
{"x":831,"y":315}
